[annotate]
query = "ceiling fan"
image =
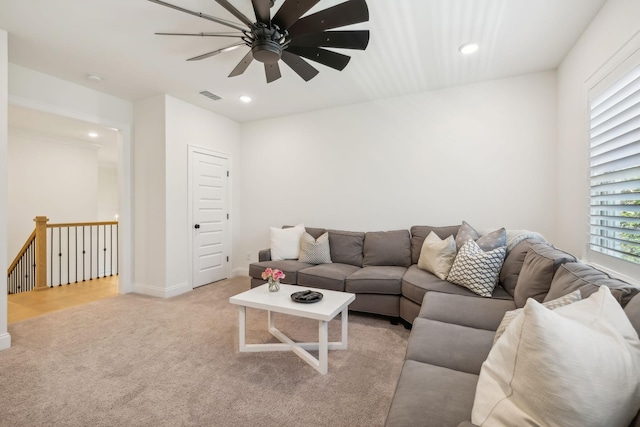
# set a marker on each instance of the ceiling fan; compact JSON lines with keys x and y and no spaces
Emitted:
{"x":287,"y":35}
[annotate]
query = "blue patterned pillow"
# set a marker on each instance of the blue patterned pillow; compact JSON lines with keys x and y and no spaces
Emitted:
{"x":476,"y":269}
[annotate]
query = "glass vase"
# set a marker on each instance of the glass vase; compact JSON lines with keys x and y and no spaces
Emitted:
{"x":274,"y":285}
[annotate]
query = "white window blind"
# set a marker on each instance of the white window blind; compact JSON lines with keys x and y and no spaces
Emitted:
{"x":614,"y":228}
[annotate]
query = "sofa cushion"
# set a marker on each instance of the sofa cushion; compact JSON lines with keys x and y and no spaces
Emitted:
{"x":456,"y":347}
{"x":376,"y":280}
{"x":571,"y":277}
{"x":315,"y":251}
{"x":420,"y":232}
{"x":416,"y":282}
{"x":471,"y":311}
{"x":590,"y":375}
{"x":512,"y":265}
{"x":437,"y":255}
{"x":326,"y":276}
{"x":289,"y":267}
{"x":431,"y":395}
{"x":551,"y":305}
{"x":387,"y":248}
{"x":346,"y":247}
{"x":487,"y":242}
{"x":476,"y":269}
{"x":633,"y":312}
{"x":540,"y":264}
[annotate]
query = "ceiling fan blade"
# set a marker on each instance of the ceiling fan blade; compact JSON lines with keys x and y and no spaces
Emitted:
{"x":326,"y":57}
{"x":242,"y":65}
{"x":291,"y":11}
{"x":339,"y":39}
{"x":234,"y":35}
{"x":299,"y":65}
{"x":216,"y":52}
{"x":235,"y":12}
{"x":347,"y":13}
{"x":262,"y":10}
{"x":201,"y":15}
{"x":272,"y":71}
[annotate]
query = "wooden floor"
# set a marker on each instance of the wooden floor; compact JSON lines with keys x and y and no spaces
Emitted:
{"x":35,"y":303}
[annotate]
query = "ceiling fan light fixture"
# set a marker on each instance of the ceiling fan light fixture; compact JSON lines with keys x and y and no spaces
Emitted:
{"x":468,"y":48}
{"x":246,"y":99}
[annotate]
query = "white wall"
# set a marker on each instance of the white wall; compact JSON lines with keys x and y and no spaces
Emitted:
{"x":483,"y":153}
{"x":149,"y":199}
{"x":107,"y":193}
{"x":614,"y":26}
{"x":50,"y":177}
{"x":5,"y":338}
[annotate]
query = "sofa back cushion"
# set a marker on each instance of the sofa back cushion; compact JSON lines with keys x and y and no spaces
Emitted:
{"x":346,"y":247}
{"x":633,"y":312}
{"x":387,"y":248}
{"x":588,"y":279}
{"x":513,"y":265}
{"x":540,"y":264}
{"x":420,"y":232}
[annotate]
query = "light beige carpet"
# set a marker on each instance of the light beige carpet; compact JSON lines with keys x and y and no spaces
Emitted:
{"x":134,"y":360}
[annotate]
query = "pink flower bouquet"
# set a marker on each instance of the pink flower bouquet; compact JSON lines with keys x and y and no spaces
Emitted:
{"x":274,"y":274}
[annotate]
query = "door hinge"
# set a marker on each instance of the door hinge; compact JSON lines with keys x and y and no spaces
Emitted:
{"x":227,"y":216}
{"x":227,"y":173}
{"x":227,"y":259}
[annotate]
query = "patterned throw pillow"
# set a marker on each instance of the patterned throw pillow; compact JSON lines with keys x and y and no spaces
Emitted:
{"x":487,"y":242}
{"x":315,"y":251}
{"x":551,"y":305}
{"x":476,"y":269}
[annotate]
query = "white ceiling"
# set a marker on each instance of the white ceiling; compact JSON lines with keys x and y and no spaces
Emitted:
{"x":413,"y":48}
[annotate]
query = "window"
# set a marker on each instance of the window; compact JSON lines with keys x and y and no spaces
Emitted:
{"x":614,"y":227}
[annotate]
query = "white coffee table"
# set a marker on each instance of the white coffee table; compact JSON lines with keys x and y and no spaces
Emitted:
{"x":332,"y":303}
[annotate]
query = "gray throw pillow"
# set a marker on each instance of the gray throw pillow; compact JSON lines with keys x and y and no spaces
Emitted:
{"x":487,"y":242}
{"x":315,"y":251}
{"x":346,"y":247}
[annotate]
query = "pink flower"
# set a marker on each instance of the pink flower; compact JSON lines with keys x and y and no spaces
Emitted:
{"x":274,"y":274}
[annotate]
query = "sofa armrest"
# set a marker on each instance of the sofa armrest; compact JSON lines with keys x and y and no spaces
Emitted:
{"x":264,"y":255}
{"x":474,"y":312}
{"x":467,"y":424}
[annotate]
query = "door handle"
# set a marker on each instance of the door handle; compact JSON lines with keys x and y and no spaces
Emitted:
{"x":196,"y":226}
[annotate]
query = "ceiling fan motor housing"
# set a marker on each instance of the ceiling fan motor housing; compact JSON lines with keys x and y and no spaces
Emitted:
{"x":267,"y":43}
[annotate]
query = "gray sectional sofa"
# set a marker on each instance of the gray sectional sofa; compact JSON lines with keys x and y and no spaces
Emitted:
{"x":453,"y":329}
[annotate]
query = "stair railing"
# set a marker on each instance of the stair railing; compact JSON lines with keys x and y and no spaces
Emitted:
{"x":57,"y":254}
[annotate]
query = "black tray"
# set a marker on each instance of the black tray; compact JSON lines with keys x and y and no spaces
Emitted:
{"x":306,"y":297}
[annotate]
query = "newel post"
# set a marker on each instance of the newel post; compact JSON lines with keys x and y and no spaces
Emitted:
{"x":41,"y":252}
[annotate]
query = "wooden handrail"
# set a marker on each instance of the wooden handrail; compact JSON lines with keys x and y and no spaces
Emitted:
{"x":82,"y":224}
{"x":30,"y":239}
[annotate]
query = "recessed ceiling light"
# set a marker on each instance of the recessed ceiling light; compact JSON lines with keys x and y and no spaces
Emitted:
{"x":94,"y":78}
{"x":92,"y":135}
{"x":468,"y":48}
{"x":246,"y":99}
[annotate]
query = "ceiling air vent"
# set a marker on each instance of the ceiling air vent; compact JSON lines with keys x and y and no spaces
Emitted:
{"x":210,"y":95}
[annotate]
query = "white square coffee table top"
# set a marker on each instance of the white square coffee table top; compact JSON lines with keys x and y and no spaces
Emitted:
{"x":326,"y":309}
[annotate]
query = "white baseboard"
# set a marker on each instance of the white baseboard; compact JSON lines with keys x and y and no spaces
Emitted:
{"x":240,"y":272}
{"x":5,"y":341}
{"x":160,"y":292}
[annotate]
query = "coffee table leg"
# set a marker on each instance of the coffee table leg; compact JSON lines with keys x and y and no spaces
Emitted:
{"x":242,"y":316}
{"x":323,"y":346}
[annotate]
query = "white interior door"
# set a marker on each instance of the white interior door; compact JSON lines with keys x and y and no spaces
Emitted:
{"x":210,"y":217}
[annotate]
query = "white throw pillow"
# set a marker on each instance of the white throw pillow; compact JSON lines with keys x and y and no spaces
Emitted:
{"x":285,"y":242}
{"x":437,"y":255}
{"x":578,"y":365}
{"x":551,"y":305}
{"x":476,"y":269}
